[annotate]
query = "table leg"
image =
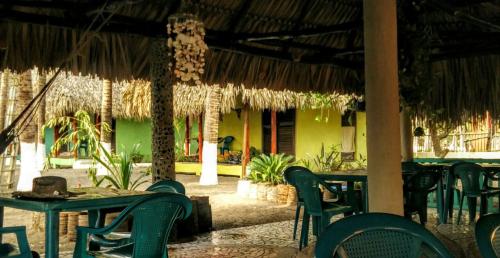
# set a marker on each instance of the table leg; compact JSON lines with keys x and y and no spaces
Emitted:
{"x":364,"y":185}
{"x":448,"y":196}
{"x":439,"y":201}
{"x":52,"y":234}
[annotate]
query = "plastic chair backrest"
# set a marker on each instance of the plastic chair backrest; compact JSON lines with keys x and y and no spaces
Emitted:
{"x":423,"y":181}
{"x":470,"y":174}
{"x":228,"y":140}
{"x":488,"y":235}
{"x":411,"y":167}
{"x":307,"y":185}
{"x":167,"y":186}
{"x":150,"y":231}
{"x":378,"y":235}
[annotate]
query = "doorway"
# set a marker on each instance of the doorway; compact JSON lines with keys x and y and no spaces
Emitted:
{"x":285,"y":127}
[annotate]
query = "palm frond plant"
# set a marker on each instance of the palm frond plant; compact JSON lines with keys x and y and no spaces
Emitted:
{"x":120,"y":169}
{"x":269,"y":168}
{"x":85,"y":130}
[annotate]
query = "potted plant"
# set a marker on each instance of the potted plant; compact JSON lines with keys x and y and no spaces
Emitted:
{"x":268,"y":171}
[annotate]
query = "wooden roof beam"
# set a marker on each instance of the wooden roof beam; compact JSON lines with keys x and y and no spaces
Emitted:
{"x":285,"y":35}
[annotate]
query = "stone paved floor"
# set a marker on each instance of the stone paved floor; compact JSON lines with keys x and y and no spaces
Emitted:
{"x":274,"y":240}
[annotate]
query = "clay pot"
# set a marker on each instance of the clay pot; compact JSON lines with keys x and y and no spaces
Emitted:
{"x":83,"y":219}
{"x":124,"y":227}
{"x":282,"y":193}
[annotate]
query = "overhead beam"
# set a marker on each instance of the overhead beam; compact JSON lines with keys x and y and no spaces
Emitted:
{"x":460,"y":14}
{"x":311,"y":32}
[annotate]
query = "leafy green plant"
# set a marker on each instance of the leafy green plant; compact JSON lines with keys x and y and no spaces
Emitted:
{"x":269,"y":168}
{"x":92,"y":175}
{"x":84,"y":131}
{"x":136,"y":156}
{"x":120,"y":169}
{"x":359,"y":163}
{"x":327,"y":160}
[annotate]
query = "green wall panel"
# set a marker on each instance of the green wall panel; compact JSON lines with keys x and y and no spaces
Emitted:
{"x":130,"y":132}
{"x":360,"y":134}
{"x":232,"y":125}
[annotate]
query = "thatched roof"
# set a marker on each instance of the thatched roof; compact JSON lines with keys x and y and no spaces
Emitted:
{"x":298,"y":45}
{"x":132,"y":100}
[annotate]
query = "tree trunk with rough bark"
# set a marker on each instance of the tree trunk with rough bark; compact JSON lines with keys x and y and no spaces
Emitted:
{"x":162,"y":112}
{"x":106,"y":117}
{"x":210,"y":135}
{"x":28,"y":169}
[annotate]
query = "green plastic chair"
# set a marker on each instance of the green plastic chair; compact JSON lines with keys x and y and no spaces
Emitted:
{"x":418,"y":183}
{"x":471,"y":176}
{"x":287,"y":174}
{"x":321,"y":212}
{"x":149,"y":231}
{"x":378,"y":235}
{"x":8,"y":250}
{"x":492,"y":176}
{"x":488,"y":235}
{"x":120,"y":238}
{"x":167,"y":186}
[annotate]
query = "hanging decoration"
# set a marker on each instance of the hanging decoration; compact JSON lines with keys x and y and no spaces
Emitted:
{"x":186,"y":36}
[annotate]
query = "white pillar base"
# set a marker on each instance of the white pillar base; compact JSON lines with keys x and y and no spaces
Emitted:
{"x":101,"y":170}
{"x":209,"y":164}
{"x":28,"y":167}
{"x":40,"y":156}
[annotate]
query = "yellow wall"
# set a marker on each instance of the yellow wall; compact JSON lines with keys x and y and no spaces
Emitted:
{"x":309,"y":133}
{"x":360,"y":134}
{"x":232,"y":125}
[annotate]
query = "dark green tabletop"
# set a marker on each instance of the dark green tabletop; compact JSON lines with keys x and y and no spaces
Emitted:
{"x":87,"y":199}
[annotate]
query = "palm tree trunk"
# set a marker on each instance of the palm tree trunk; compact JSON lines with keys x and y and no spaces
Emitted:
{"x":4,"y":90}
{"x":162,"y":113}
{"x":106,"y":117}
{"x":27,"y":137}
{"x":40,"y":147}
{"x":211,"y":133}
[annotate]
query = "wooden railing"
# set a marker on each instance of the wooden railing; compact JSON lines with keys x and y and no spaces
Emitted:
{"x":467,"y":142}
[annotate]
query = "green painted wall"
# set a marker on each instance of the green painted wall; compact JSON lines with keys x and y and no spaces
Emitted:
{"x":232,"y":125}
{"x":49,"y":139}
{"x":130,"y":132}
{"x":309,"y":133}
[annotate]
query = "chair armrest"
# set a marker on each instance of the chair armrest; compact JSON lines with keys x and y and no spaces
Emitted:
{"x":22,"y":240}
{"x":15,"y":230}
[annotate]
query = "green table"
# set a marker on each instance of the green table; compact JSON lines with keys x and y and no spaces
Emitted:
{"x":91,"y":200}
{"x":350,"y":177}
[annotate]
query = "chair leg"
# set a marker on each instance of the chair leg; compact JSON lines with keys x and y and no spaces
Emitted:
{"x":304,"y":232}
{"x":297,"y":215}
{"x":471,"y":203}
{"x":460,"y":208}
{"x":483,"y":208}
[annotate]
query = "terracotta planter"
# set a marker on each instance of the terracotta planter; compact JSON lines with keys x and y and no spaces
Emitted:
{"x":83,"y":219}
{"x":272,"y":193}
{"x":262,"y":192}
{"x":282,"y":193}
{"x":252,"y":191}
{"x":292,"y":195}
{"x":124,"y":227}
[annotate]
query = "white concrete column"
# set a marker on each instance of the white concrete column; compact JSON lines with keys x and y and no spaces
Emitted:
{"x":385,"y":185}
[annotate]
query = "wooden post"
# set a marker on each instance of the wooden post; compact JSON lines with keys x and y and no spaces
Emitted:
{"x":274,"y":131}
{"x":56,"y":137}
{"x":162,"y":111}
{"x":4,"y":96}
{"x":75,"y":139}
{"x":187,"y":140}
{"x":385,"y":186}
{"x":200,"y":138}
{"x":245,"y":156}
